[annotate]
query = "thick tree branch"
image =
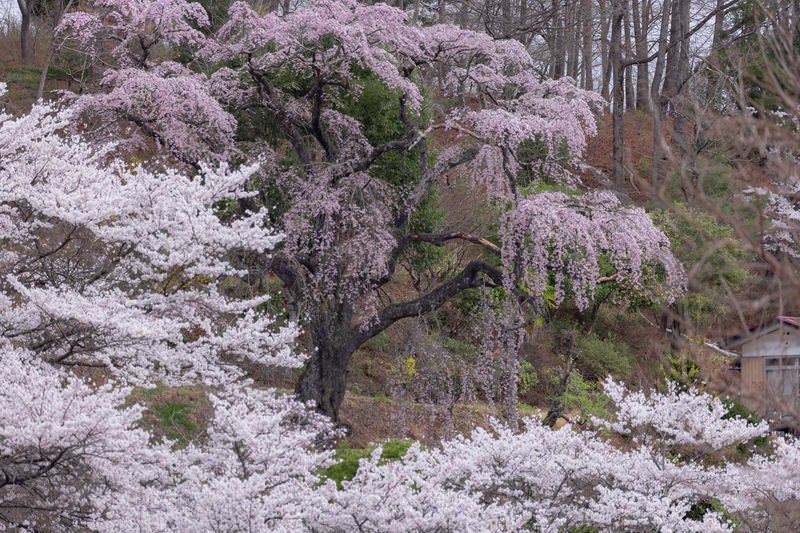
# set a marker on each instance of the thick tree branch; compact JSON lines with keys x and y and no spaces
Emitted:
{"x":316,"y":114}
{"x":475,"y":274}
{"x":429,"y":178}
{"x":290,"y":272}
{"x":268,"y":96}
{"x":144,"y":125}
{"x":608,"y":279}
{"x":414,"y":137}
{"x":438,"y":239}
{"x":366,"y":162}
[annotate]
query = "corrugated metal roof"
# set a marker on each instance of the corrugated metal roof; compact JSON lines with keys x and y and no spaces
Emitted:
{"x":737,"y":341}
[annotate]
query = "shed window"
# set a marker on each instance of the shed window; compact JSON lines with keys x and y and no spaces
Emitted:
{"x":783,"y":375}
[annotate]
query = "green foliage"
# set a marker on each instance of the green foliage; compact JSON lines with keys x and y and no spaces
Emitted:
{"x":531,"y":151}
{"x":379,"y":343}
{"x":422,"y":256}
{"x":377,"y":109}
{"x":701,"y":507}
{"x":27,"y":75}
{"x":459,"y":347}
{"x":531,"y":154}
{"x":582,"y":528}
{"x":347,"y":459}
{"x":681,"y":370}
{"x":602,"y":356}
{"x":527,"y":377}
{"x":737,"y":409}
{"x":711,"y":252}
{"x":217,"y":11}
{"x":585,"y":397}
{"x":756,"y":52}
{"x":715,"y":183}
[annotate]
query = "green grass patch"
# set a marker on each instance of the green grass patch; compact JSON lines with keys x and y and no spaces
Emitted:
{"x":348,"y":458}
{"x":24,"y":75}
{"x":179,"y":414}
{"x":174,"y":417}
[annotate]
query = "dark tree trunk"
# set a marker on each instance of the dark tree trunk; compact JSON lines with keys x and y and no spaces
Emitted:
{"x":655,"y":100}
{"x":336,"y":338}
{"x":617,"y":15}
{"x":588,"y":66}
{"x":24,"y":31}
{"x":558,"y":61}
{"x":324,"y":378}
{"x":605,"y":46}
{"x":566,"y":348}
{"x":640,"y":14}
{"x":630,"y":96}
{"x":676,"y":71}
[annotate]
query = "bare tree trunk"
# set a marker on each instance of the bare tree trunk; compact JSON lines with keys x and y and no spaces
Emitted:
{"x":566,"y":348}
{"x":680,"y":122}
{"x":508,"y":20}
{"x":54,"y":19}
{"x":588,"y":30}
{"x":617,"y":16}
{"x":558,"y":50}
{"x":719,"y":20}
{"x":630,"y":97}
{"x":524,"y":37}
{"x":324,"y":378}
{"x":604,"y":50}
{"x":45,"y":69}
{"x":639,"y":13}
{"x":676,"y":71}
{"x":655,"y":99}
{"x":24,"y":31}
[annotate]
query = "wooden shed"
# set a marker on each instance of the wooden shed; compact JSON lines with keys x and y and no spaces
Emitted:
{"x":770,"y":364}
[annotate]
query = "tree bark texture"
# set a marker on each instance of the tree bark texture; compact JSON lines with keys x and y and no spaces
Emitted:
{"x":586,"y":48}
{"x":24,"y":31}
{"x":617,"y":16}
{"x":657,"y":105}
{"x":324,"y":378}
{"x":640,"y":13}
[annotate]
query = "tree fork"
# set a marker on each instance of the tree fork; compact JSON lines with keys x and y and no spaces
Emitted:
{"x":324,"y":377}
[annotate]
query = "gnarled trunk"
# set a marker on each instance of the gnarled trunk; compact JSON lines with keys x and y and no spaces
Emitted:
{"x":336,"y":337}
{"x":324,"y":378}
